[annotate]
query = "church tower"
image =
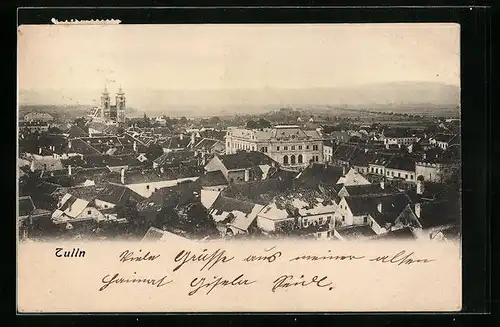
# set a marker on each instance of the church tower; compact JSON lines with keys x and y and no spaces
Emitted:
{"x":120,"y":106}
{"x":105,"y":103}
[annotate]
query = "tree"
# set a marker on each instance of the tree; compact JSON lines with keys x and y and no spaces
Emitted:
{"x":251,"y":124}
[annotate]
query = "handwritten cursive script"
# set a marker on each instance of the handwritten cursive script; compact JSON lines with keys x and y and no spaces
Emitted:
{"x":401,"y":258}
{"x":210,"y":259}
{"x":267,"y":257}
{"x":349,"y":257}
{"x":199,"y":283}
{"x":130,"y":256}
{"x":116,"y":279}
{"x":286,"y":281}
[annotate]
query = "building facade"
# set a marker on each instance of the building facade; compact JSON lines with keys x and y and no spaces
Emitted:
{"x":289,"y":145}
{"x":109,"y":112}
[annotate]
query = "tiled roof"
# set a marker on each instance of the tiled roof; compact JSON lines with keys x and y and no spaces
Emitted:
{"x":381,"y":159}
{"x":75,"y":131}
{"x":225,"y":204}
{"x":392,"y":206}
{"x":402,"y":163}
{"x":81,"y":147}
{"x":396,"y":132}
{"x":369,"y":190}
{"x":87,"y":193}
{"x":242,"y":160}
{"x":435,"y":214}
{"x":117,"y":194}
{"x":153,"y":234}
{"x":176,"y":142}
{"x":260,"y":192}
{"x":356,"y":231}
{"x":344,"y":152}
{"x":362,"y":158}
{"x":218,"y":135}
{"x":175,"y":157}
{"x":213,"y":178}
{"x":207,"y":143}
{"x":399,"y":234}
{"x":179,"y":195}
{"x":94,"y":161}
{"x":444,"y":137}
{"x":317,"y":173}
{"x":149,"y":176}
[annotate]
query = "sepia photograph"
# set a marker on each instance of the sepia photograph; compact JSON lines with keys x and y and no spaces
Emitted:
{"x":339,"y":136}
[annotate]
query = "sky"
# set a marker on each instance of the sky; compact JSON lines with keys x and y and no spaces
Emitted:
{"x":81,"y":59}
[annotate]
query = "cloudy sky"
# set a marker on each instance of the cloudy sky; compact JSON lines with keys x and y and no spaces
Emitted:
{"x":81,"y":59}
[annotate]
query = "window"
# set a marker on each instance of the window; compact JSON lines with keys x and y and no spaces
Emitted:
{"x":411,"y":176}
{"x":105,"y":206}
{"x":285,"y":160}
{"x":366,"y":220}
{"x":307,"y":147}
{"x":371,"y":169}
{"x":285,"y":148}
{"x":392,"y":173}
{"x":399,"y":174}
{"x":315,"y":147}
{"x":300,"y":147}
{"x":89,"y":212}
{"x":299,"y":159}
{"x":406,"y":176}
{"x":320,"y":220}
{"x":328,"y":234}
{"x":292,"y":159}
{"x":328,"y":219}
{"x":387,"y":173}
{"x":343,"y":218}
{"x":147,"y":187}
{"x":278,"y":148}
{"x":293,"y":147}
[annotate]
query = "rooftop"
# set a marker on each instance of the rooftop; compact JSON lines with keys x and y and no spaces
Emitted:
{"x":213,"y":178}
{"x":242,"y":160}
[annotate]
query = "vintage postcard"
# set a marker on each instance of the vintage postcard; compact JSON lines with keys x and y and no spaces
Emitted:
{"x":239,"y":168}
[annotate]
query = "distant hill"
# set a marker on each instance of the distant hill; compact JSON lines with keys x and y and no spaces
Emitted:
{"x":61,"y":111}
{"x":397,"y":96}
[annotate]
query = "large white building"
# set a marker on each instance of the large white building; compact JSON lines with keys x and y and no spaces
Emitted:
{"x":289,"y":145}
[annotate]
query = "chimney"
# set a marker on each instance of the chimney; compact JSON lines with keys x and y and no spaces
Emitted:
{"x":343,"y":171}
{"x":417,"y":210}
{"x":162,"y":170}
{"x":69,"y":144}
{"x":39,"y":150}
{"x":69,"y":170}
{"x":247,"y":175}
{"x":123,"y":175}
{"x":181,"y":136}
{"x":379,"y":207}
{"x":382,"y":184}
{"x":192,"y":139}
{"x":135,"y":146}
{"x":420,"y":187}
{"x":32,"y":166}
{"x":366,"y":150}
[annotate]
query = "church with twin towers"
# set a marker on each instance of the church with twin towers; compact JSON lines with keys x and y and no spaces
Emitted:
{"x":111,"y":112}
